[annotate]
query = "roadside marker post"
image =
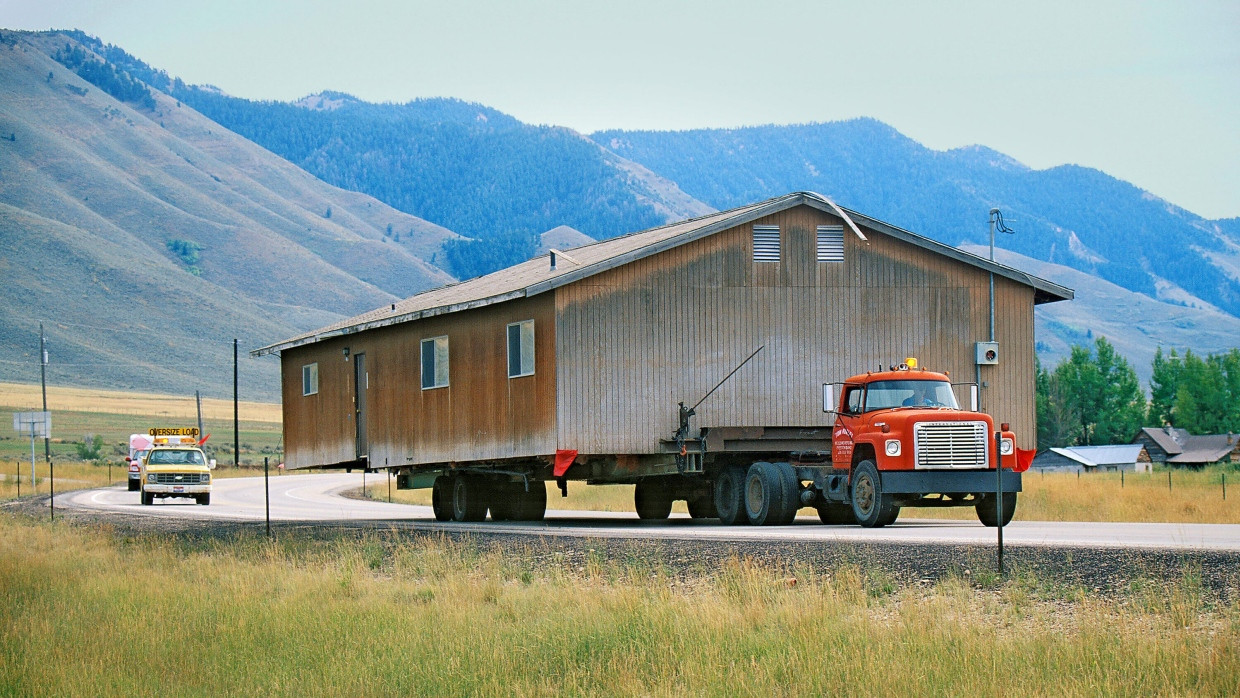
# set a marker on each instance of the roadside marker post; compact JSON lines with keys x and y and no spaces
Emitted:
{"x":51,"y":484}
{"x":999,"y":493}
{"x":267,"y":492}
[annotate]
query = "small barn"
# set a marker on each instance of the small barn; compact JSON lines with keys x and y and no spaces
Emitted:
{"x":1178,"y":448}
{"x":591,"y":350}
{"x":1093,"y":459}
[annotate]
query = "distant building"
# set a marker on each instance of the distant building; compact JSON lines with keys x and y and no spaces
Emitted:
{"x":1177,"y":447}
{"x":1126,"y":457}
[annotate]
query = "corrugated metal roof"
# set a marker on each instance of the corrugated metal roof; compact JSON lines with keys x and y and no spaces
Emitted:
{"x":1121,"y":454}
{"x":536,"y":275}
{"x":1169,"y":439}
{"x":1205,"y":449}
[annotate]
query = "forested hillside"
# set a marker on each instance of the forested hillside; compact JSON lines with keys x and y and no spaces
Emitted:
{"x":1068,"y":215}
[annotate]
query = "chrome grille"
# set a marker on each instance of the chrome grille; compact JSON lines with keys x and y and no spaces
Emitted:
{"x":178,"y":478}
{"x":950,"y":444}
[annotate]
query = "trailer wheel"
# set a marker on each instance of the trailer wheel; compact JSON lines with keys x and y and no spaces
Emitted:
{"x":870,"y":506}
{"x":441,"y":498}
{"x":764,"y":495}
{"x":702,"y":506}
{"x":652,"y":499}
{"x":836,"y":514}
{"x":730,"y":496}
{"x":532,"y":505}
{"x":505,"y":503}
{"x":986,"y":509}
{"x":469,"y":501}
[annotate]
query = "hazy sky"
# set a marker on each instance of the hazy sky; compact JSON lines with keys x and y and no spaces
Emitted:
{"x":1146,"y":91}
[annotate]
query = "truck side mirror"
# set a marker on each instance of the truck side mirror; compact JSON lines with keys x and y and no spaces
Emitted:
{"x":211,"y":464}
{"x":828,"y":397}
{"x":973,"y":397}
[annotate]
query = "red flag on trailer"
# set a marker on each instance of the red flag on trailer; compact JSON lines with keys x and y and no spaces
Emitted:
{"x":563,"y":459}
{"x":1024,"y":459}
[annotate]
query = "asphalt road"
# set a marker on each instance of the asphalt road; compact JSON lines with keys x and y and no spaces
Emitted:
{"x":316,"y":498}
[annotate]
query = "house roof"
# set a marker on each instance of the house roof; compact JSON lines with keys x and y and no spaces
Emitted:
{"x":1205,"y":449}
{"x":1169,"y":439}
{"x":1122,"y":454}
{"x":537,"y":276}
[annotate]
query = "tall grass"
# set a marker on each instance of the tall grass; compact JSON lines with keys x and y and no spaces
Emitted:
{"x":91,"y":613}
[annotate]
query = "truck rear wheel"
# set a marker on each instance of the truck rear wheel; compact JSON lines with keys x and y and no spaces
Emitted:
{"x":702,"y":506}
{"x":652,"y":499}
{"x":836,"y":514}
{"x":469,"y":499}
{"x":766,"y":496}
{"x":986,"y":509}
{"x":730,"y":496}
{"x":792,"y":492}
{"x":441,"y":498}
{"x":870,"y":506}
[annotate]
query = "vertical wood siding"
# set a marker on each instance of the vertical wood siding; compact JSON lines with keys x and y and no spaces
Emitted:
{"x":634,"y":341}
{"x":482,"y":414}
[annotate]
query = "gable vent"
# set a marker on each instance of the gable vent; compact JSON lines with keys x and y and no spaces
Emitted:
{"x":766,"y":243}
{"x":830,"y":243}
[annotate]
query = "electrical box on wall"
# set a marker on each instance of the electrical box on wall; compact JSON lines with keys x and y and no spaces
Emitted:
{"x":987,"y":353}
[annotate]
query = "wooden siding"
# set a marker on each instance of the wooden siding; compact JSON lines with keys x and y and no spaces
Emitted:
{"x":635,"y":340}
{"x":481,"y":415}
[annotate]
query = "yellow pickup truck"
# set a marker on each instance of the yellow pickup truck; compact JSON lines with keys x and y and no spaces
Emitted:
{"x":176,"y":471}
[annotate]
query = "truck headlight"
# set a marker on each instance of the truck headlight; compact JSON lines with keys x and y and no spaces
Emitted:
{"x":150,"y":477}
{"x":205,"y":477}
{"x":1006,"y":446}
{"x":892,"y":447}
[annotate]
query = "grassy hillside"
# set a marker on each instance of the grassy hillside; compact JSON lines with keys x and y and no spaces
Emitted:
{"x":148,"y":238}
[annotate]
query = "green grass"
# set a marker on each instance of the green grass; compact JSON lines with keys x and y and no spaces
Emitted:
{"x":89,"y":612}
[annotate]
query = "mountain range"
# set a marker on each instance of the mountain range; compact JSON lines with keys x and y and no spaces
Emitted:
{"x":148,"y":222}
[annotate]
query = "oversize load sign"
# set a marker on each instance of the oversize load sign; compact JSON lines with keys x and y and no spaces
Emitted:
{"x":174,"y":431}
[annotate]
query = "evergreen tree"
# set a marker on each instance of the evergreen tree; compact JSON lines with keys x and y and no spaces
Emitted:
{"x":1059,"y":422}
{"x":1103,"y":387}
{"x":1164,"y":383}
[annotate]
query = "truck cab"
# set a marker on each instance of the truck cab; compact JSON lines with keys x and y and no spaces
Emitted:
{"x":176,"y":470}
{"x":901,"y":439}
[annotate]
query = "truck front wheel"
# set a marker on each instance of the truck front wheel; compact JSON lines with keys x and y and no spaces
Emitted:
{"x":986,"y":509}
{"x":870,"y":506}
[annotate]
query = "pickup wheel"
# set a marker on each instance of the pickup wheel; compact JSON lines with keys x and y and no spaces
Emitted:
{"x":147,"y":498}
{"x":203,"y":499}
{"x":764,"y":495}
{"x":986,"y":509}
{"x":441,"y":498}
{"x":652,"y":499}
{"x":469,"y":499}
{"x":870,"y":506}
{"x":531,"y":505}
{"x":730,"y":497}
{"x":134,"y":485}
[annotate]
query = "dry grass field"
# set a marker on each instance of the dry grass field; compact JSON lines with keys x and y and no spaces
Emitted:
{"x":21,"y":397}
{"x":90,"y":612}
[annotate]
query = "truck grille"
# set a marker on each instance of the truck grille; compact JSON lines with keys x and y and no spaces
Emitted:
{"x":177,"y":478}
{"x":950,"y":444}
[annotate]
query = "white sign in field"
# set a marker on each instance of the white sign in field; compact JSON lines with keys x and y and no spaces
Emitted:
{"x":40,"y":423}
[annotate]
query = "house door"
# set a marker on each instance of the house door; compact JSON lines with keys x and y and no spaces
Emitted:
{"x":361,"y":382}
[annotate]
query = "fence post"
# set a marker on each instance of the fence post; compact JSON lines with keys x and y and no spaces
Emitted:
{"x":1168,"y":480}
{"x":1224,"y":487}
{"x":1121,"y":479}
{"x":19,"y":479}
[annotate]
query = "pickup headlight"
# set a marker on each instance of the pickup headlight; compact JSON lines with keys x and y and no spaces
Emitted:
{"x":206,"y":477}
{"x":1006,"y":447}
{"x":892,"y":447}
{"x":150,"y":477}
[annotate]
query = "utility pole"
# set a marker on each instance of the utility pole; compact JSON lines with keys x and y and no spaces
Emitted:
{"x":47,"y":442}
{"x":236,"y":419}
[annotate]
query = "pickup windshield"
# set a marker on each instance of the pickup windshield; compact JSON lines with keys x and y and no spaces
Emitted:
{"x":884,"y":395}
{"x":176,"y":458}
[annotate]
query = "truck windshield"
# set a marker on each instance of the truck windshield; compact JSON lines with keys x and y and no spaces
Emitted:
{"x":884,"y":395}
{"x":177,"y":458}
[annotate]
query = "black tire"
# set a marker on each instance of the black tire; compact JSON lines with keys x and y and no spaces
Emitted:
{"x":870,"y":506}
{"x":730,"y":497}
{"x":469,"y":499}
{"x":791,"y":491}
{"x":505,"y":500}
{"x":890,"y":516}
{"x":986,"y":509}
{"x":764,"y":495}
{"x":652,"y":499}
{"x":532,"y":505}
{"x":702,"y":505}
{"x":203,"y":499}
{"x":134,"y":485}
{"x":147,"y":498}
{"x":441,"y":498}
{"x":836,"y":514}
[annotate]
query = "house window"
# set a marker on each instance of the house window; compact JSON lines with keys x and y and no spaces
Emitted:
{"x":434,"y":362}
{"x":766,"y":243}
{"x":310,"y":379}
{"x":830,"y":243}
{"x":521,"y":349}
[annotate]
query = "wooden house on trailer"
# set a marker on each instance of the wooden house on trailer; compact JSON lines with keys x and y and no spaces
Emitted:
{"x":572,"y":365}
